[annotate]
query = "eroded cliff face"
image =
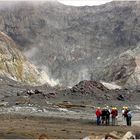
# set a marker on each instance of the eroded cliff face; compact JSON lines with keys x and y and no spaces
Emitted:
{"x":73,"y":44}
{"x":14,"y":65}
{"x":120,"y":69}
{"x":124,"y":70}
{"x":134,"y":79}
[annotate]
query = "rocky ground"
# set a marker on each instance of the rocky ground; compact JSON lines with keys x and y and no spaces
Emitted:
{"x":27,"y":111}
{"x":84,"y":94}
{"x":16,"y":126}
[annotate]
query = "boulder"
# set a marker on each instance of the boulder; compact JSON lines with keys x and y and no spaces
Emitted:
{"x":112,"y":135}
{"x":137,"y":135}
{"x":128,"y":135}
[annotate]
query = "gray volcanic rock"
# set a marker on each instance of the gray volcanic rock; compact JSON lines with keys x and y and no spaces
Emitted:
{"x":120,"y":69}
{"x":134,"y":78}
{"x":88,"y":87}
{"x":124,"y":69}
{"x":74,"y":43}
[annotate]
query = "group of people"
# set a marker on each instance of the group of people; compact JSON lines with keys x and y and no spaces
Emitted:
{"x":105,"y":115}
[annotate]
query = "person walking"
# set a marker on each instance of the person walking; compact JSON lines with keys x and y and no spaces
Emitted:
{"x":114,"y":114}
{"x":98,"y":116}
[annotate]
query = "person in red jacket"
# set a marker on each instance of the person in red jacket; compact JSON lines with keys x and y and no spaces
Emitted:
{"x":114,"y":114}
{"x":98,"y":116}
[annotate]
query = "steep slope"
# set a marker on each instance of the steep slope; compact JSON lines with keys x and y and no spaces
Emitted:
{"x":72,"y":43}
{"x":14,"y":65}
{"x":124,"y":69}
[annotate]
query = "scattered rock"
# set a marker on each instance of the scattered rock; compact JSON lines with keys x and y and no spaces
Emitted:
{"x":30,"y":92}
{"x":23,"y":100}
{"x":92,"y":137}
{"x":112,"y":135}
{"x":18,"y":94}
{"x":137,"y":135}
{"x":3,"y":104}
{"x":51,"y":95}
{"x":37,"y":91}
{"x":128,"y":135}
{"x":63,"y":130}
{"x":121,"y":97}
{"x":69,"y":105}
{"x":43,"y":137}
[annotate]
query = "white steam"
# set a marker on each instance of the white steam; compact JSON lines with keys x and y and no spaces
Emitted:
{"x":45,"y":76}
{"x":83,"y":74}
{"x":46,"y":79}
{"x":30,"y":53}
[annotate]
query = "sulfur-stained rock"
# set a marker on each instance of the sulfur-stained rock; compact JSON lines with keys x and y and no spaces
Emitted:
{"x":14,"y":65}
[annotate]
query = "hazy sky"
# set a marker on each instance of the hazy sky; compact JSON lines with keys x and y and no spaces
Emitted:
{"x":84,"y":2}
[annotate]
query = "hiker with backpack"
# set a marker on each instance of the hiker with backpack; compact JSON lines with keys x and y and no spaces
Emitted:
{"x":107,"y":116}
{"x":128,"y":117}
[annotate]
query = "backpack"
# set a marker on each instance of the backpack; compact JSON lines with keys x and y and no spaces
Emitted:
{"x":107,"y":112}
{"x":129,"y":114}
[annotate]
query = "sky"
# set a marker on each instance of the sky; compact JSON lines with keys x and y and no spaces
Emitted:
{"x":84,"y":2}
{"x":66,"y":2}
